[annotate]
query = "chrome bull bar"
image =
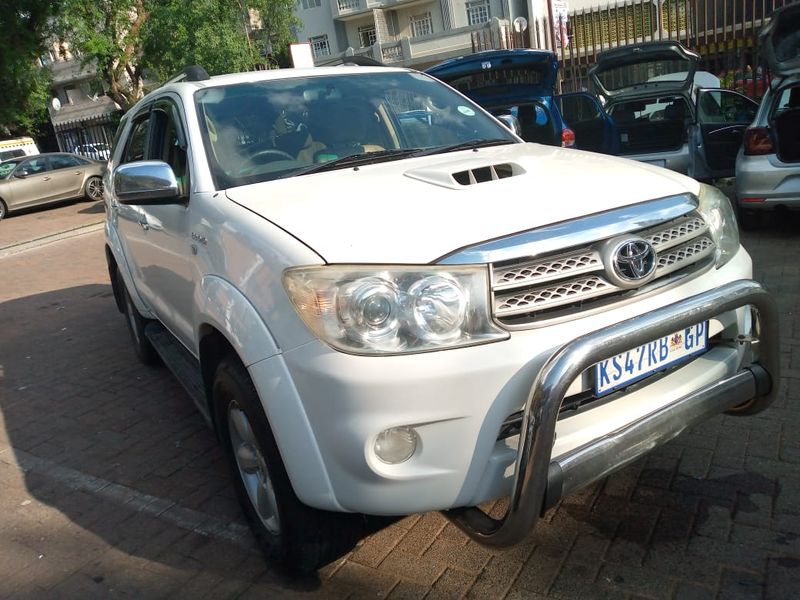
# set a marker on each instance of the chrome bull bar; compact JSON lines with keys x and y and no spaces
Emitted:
{"x":539,"y":482}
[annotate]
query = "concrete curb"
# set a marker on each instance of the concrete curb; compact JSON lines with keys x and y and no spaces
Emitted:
{"x":46,"y":240}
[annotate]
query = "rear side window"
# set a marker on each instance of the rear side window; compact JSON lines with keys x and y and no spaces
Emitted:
{"x":789,"y":99}
{"x":63,"y":161}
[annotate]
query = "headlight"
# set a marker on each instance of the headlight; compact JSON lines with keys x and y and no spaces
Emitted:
{"x":376,"y":310}
{"x":718,"y":213}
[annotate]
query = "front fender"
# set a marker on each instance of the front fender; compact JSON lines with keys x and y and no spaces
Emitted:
{"x":221,"y":305}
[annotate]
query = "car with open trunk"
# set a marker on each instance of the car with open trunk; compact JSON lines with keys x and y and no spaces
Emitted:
{"x":669,"y":114}
{"x":768,"y":164}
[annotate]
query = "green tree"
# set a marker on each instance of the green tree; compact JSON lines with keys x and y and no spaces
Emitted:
{"x":24,"y":31}
{"x":128,"y":38}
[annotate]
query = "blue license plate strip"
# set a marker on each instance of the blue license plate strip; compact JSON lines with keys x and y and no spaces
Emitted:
{"x":631,"y":366}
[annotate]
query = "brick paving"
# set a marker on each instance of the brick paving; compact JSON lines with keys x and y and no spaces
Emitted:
{"x":42,"y":222}
{"x":112,"y":486}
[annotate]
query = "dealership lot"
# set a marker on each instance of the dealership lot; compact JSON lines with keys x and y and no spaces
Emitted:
{"x":113,"y":486}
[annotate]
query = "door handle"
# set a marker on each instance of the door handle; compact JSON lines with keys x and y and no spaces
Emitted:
{"x":45,"y":179}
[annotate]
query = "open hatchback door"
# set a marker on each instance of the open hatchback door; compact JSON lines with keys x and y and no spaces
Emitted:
{"x":644,"y":69}
{"x":780,"y":42}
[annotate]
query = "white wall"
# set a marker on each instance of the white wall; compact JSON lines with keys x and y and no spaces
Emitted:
{"x":318,"y":21}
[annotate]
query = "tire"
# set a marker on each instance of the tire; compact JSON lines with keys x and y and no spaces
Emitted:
{"x":136,"y":324}
{"x":297,"y":536}
{"x":3,"y":210}
{"x":93,"y":190}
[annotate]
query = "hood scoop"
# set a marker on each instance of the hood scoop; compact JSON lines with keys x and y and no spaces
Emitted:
{"x":472,"y":176}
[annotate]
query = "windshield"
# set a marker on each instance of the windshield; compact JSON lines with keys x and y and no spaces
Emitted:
{"x":6,"y":168}
{"x":267,"y":130}
{"x":652,"y":71}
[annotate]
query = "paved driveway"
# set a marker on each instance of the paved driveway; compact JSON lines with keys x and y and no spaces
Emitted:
{"x":111,"y":485}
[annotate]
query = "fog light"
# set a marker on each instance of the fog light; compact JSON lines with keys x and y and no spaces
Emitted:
{"x":396,"y":445}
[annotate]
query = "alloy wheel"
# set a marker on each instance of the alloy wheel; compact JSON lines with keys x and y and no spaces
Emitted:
{"x":253,"y":468}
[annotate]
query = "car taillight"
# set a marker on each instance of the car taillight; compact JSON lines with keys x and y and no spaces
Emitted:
{"x":757,"y":140}
{"x":567,"y":138}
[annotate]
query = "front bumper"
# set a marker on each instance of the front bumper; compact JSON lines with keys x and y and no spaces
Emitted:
{"x":540,"y":481}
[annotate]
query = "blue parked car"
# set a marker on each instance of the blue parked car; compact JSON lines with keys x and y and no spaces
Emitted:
{"x":522,"y":83}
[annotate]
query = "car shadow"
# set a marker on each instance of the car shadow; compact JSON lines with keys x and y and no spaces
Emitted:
{"x":115,"y":446}
{"x":119,"y":449}
{"x":96,"y":208}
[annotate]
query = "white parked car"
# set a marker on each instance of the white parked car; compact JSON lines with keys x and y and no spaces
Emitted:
{"x":97,"y":151}
{"x":387,"y":315}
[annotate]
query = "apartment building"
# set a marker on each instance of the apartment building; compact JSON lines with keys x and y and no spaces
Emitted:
{"x":80,"y":111}
{"x":413,"y":33}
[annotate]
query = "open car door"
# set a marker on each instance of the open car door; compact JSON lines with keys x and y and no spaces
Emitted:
{"x":722,"y":117}
{"x":593,"y":127}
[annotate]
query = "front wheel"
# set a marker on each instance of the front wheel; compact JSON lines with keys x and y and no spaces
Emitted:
{"x":94,"y":189}
{"x":3,"y":209}
{"x":288,"y":531}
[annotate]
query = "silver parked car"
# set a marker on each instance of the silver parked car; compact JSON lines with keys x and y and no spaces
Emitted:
{"x":669,"y":114}
{"x":768,"y":165}
{"x":33,"y":180}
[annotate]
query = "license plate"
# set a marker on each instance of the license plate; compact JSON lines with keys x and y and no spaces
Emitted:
{"x":633,"y":365}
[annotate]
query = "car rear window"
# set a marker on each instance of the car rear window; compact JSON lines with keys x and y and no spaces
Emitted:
{"x":497,"y":78}
{"x":623,"y":76}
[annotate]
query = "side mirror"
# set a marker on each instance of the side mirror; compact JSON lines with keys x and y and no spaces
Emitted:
{"x":20,"y":174}
{"x":511,"y":122}
{"x":145,"y":182}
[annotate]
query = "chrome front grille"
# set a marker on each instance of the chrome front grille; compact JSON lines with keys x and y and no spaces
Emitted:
{"x":530,"y":290}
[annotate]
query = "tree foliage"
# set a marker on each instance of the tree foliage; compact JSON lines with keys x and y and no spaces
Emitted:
{"x":131,"y":39}
{"x":24,"y":31}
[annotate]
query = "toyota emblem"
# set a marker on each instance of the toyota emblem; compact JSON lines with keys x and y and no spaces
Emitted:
{"x":634,"y":260}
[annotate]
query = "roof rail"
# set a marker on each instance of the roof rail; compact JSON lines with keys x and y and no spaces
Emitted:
{"x":192,"y":73}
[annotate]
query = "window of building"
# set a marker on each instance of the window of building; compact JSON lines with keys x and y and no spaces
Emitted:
{"x":478,"y":12}
{"x":367,"y":35}
{"x":421,"y":25}
{"x":310,"y":4}
{"x":320,"y":46}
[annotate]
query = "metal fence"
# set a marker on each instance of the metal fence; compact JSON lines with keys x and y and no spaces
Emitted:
{"x":90,"y":137}
{"x":723,"y":32}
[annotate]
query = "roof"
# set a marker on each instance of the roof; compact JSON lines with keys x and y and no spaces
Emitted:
{"x":84,"y":110}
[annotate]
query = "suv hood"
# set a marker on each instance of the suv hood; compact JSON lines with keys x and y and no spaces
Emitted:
{"x":413,"y":211}
{"x":500,"y":76}
{"x":644,"y":68}
{"x":780,"y":41}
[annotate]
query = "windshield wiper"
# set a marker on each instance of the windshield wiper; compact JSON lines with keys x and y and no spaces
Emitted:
{"x":470,"y":145}
{"x":354,"y":160}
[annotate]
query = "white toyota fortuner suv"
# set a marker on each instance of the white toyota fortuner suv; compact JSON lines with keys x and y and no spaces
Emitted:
{"x":384,"y":302}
